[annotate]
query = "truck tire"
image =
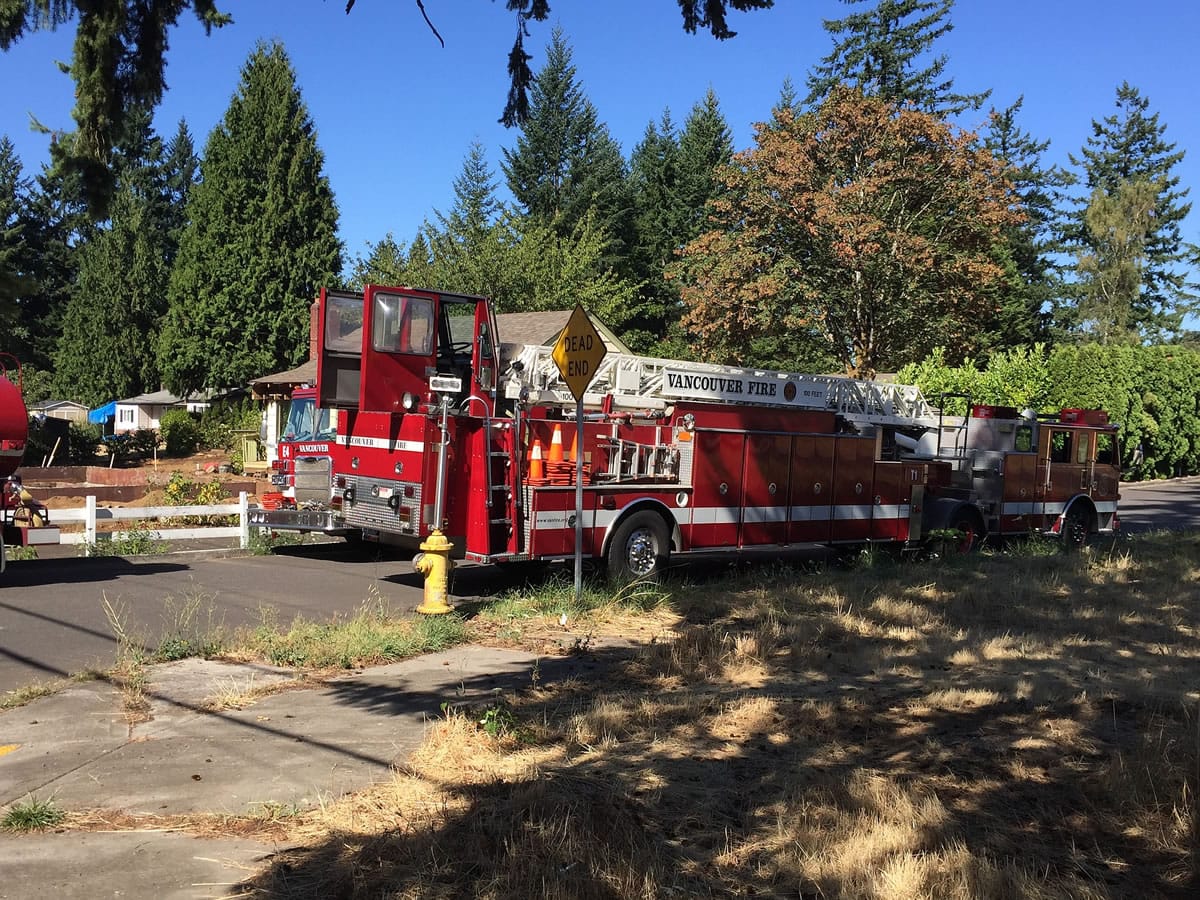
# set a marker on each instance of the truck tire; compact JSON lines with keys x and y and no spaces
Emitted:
{"x":966,"y":523}
{"x":640,"y":549}
{"x":1077,"y":524}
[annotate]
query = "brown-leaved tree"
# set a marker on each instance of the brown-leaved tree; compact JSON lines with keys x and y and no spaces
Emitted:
{"x":870,"y":227}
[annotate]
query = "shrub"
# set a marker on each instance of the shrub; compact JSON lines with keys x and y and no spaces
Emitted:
{"x":82,"y":444}
{"x":219,"y":422}
{"x":1150,"y":392}
{"x":180,"y":431}
{"x":144,"y":442}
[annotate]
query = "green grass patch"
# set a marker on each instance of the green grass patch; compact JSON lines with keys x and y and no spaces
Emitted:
{"x":32,"y":814}
{"x":556,"y":597}
{"x":29,"y":693}
{"x":264,"y":541}
{"x":135,"y":542}
{"x":372,"y":637}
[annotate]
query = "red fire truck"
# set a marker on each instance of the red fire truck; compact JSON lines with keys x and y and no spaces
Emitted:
{"x":444,"y":425}
{"x":302,"y":473}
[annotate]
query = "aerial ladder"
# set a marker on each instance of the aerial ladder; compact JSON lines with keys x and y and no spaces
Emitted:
{"x":628,"y":382}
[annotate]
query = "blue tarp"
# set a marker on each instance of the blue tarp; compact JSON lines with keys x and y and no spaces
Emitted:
{"x":103,"y":413}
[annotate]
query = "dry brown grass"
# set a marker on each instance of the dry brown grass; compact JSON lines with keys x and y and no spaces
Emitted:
{"x":998,"y":727}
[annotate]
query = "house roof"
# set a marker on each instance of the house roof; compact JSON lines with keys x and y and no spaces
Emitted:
{"x":56,"y":404}
{"x":166,"y":398}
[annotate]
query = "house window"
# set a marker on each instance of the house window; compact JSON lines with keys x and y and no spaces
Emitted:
{"x":126,"y":416}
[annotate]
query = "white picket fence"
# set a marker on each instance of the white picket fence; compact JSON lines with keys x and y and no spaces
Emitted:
{"x":91,"y":514}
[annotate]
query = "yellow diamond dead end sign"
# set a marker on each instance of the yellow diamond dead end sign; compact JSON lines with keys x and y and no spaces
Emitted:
{"x":579,"y":352}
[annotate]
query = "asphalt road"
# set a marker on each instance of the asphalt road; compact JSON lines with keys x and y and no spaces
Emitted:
{"x":1150,"y":505}
{"x":53,"y":620}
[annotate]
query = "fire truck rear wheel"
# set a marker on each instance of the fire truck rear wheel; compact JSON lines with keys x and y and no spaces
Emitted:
{"x":640,"y":548}
{"x":967,"y":524}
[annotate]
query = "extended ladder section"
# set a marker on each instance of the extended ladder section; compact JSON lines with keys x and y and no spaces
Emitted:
{"x":645,"y":383}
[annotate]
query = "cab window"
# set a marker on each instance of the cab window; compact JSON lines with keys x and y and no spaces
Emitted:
{"x":1060,"y":447}
{"x":343,"y":324}
{"x":1106,"y":449}
{"x":1081,"y":451}
{"x":402,"y":324}
{"x":1023,"y":439}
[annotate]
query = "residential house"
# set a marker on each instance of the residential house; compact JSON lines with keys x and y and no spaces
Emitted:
{"x":68,"y":410}
{"x":146,"y":410}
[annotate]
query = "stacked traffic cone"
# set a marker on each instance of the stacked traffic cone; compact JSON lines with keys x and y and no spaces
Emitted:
{"x":561,"y":471}
{"x":537,"y":471}
{"x":558,"y":470}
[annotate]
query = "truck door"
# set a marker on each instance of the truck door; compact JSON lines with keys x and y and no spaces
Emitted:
{"x":399,"y":346}
{"x":484,"y":361}
{"x":1064,"y":469}
{"x":339,"y":341}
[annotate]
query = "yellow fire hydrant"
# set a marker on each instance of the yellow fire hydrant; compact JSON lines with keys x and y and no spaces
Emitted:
{"x":434,"y":563}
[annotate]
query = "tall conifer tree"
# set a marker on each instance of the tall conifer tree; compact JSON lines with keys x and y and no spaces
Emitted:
{"x":1024,"y":318}
{"x":566,"y":164}
{"x":111,"y":324}
{"x":885,"y":52}
{"x":466,"y":241}
{"x":261,"y":240}
{"x":14,"y":251}
{"x":1130,"y":146}
{"x":56,"y":226}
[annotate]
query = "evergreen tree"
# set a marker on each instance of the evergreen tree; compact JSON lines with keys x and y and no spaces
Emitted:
{"x":110,"y":328}
{"x":56,"y":225}
{"x":1119,"y":225}
{"x":658,"y":217}
{"x":1128,"y":146}
{"x":672,"y":176}
{"x":261,"y":240}
{"x":466,"y":248}
{"x":14,"y":252}
{"x":117,"y":65}
{"x":1023,"y":318}
{"x":383,"y":264}
{"x":882,"y":52}
{"x":705,"y":144}
{"x":566,"y":164}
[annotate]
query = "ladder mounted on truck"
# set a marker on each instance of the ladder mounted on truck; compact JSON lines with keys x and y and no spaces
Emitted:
{"x":646,"y":383}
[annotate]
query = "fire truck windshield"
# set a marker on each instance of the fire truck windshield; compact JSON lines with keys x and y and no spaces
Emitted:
{"x":307,"y":423}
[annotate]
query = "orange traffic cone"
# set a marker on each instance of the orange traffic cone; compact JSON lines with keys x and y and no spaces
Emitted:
{"x":537,"y":471}
{"x":574,"y":446}
{"x":556,"y":451}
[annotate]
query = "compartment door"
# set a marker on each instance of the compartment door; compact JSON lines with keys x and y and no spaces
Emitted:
{"x":811,"y":489}
{"x":765,"y":511}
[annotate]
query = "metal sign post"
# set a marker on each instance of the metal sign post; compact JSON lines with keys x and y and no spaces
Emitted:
{"x":578,"y":354}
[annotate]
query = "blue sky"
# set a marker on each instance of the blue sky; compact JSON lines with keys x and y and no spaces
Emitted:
{"x":396,"y":113}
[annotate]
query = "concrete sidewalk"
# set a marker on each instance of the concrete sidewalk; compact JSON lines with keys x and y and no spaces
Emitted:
{"x":298,"y":747}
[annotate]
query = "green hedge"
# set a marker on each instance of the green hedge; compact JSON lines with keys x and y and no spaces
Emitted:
{"x":1153,"y":393}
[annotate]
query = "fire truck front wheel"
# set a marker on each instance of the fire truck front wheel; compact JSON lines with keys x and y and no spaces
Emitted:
{"x":640,"y":548}
{"x":1076,"y":525}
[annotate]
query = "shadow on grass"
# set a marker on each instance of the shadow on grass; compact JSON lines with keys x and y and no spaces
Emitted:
{"x":994,"y":726}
